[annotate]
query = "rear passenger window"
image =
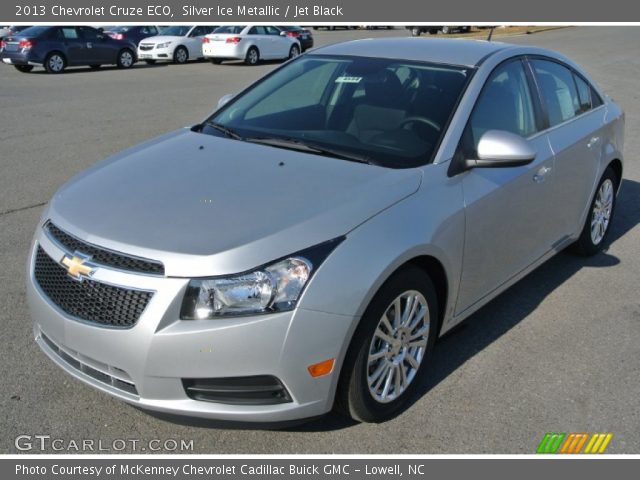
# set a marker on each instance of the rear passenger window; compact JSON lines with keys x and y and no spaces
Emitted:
{"x":558,"y":90}
{"x":584,"y":94}
{"x":69,"y":33}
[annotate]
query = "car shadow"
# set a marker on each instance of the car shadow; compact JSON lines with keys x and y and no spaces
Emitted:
{"x":483,"y":327}
{"x":103,"y":68}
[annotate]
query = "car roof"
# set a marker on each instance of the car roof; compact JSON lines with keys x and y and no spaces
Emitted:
{"x":449,"y":51}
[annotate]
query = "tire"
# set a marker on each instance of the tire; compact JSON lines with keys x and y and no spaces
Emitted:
{"x":252,"y":57}
{"x":180,"y":55}
{"x":598,"y":222}
{"x":447,"y":29}
{"x":55,"y":62}
{"x":331,"y":29}
{"x":415,"y":32}
{"x":433,"y":31}
{"x":126,"y":58}
{"x":150,"y":62}
{"x":366,"y":401}
{"x":95,"y":67}
{"x":216,"y":61}
{"x":294,"y":52}
{"x":24,"y":68}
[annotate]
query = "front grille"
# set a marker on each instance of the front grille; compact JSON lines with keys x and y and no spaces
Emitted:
{"x":89,"y":300}
{"x":99,"y":371}
{"x":102,"y":256}
{"x":146,"y":47}
{"x":256,"y":390}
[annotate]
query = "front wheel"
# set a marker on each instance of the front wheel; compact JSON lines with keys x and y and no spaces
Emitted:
{"x":390,"y":348}
{"x":125,"y":59}
{"x":415,"y":32}
{"x":24,"y":68}
{"x":596,"y":226}
{"x":180,"y":55}
{"x":294,"y":52}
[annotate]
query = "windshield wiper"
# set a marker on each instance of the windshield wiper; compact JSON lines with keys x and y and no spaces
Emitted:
{"x":294,"y":144}
{"x":226,"y":130}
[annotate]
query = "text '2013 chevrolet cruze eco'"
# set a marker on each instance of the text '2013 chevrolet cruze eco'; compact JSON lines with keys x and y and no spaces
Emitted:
{"x":303,"y":247}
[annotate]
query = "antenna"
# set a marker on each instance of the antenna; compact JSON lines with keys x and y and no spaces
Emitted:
{"x":490,"y":33}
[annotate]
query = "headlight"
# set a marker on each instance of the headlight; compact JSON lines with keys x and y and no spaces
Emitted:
{"x":163,"y":45}
{"x":272,"y":288}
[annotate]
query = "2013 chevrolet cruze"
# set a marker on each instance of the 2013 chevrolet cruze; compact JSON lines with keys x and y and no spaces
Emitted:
{"x":306,"y":244}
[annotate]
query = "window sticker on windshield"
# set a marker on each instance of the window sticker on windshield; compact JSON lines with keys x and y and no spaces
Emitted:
{"x":348,"y":79}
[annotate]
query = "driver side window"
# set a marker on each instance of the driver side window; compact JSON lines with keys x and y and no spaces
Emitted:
{"x":504,"y":104}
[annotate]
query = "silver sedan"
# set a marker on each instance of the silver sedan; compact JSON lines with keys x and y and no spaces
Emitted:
{"x":303,"y":247}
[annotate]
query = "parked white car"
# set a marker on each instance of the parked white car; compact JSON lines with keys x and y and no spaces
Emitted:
{"x":178,"y":44}
{"x":249,"y":43}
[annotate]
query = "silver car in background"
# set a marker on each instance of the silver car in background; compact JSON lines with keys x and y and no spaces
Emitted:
{"x":303,"y":247}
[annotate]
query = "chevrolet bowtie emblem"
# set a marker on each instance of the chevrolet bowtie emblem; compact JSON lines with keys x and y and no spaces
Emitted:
{"x":76,"y":266}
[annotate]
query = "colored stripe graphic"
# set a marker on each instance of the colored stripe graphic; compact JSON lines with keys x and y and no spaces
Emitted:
{"x":598,"y":443}
{"x":572,"y":443}
{"x":551,"y":442}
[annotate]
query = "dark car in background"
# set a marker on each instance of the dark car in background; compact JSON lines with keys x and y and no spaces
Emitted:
{"x":11,"y":30}
{"x":416,"y":30}
{"x":56,"y":48}
{"x":133,"y":33}
{"x":302,"y":34}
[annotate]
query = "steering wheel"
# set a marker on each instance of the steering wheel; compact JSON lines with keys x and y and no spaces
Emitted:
{"x":417,"y":119}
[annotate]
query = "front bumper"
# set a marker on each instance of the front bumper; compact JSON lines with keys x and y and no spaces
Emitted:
{"x":156,"y":54}
{"x":145,"y":364}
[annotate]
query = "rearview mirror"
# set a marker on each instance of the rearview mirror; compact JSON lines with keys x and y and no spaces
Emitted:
{"x":225,"y":99}
{"x":499,"y":148}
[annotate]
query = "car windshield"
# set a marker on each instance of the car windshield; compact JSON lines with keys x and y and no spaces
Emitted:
{"x":235,"y":29}
{"x":176,"y":31}
{"x":387,"y":112}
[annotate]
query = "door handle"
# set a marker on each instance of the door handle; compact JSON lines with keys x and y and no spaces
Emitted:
{"x":592,"y":141}
{"x":541,"y":174}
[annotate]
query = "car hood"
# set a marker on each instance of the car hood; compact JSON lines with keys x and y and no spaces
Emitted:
{"x":206,"y":205}
{"x":162,"y":39}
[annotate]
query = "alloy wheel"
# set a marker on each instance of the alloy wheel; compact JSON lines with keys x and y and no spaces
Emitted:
{"x":398,"y":346}
{"x":602,"y":209}
{"x":126,"y":59}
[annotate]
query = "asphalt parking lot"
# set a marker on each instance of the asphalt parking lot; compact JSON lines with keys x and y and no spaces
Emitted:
{"x":558,"y":352}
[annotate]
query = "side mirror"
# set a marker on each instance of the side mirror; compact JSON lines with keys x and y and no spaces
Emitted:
{"x":499,"y":148}
{"x":225,"y":99}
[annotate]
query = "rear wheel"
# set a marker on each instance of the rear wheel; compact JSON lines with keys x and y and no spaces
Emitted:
{"x":55,"y":62}
{"x":390,"y":348}
{"x":252,"y":57}
{"x":446,"y":29}
{"x":294,"y":52}
{"x":180,"y":55}
{"x":596,"y":226}
{"x":24,"y":68}
{"x":415,"y":32}
{"x":125,"y":59}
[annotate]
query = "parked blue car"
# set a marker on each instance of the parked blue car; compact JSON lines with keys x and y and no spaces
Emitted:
{"x":56,"y":48}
